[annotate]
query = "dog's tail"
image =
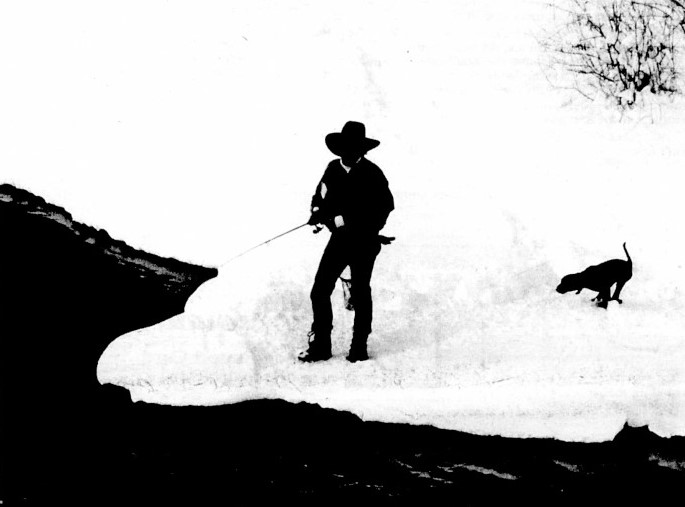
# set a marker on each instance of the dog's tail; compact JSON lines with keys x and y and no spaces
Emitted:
{"x":627,"y":254}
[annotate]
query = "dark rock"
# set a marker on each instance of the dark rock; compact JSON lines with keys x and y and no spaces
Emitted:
{"x":62,"y":302}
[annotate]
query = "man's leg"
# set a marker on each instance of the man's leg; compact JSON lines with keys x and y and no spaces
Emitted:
{"x":333,"y":262}
{"x":361,"y":268}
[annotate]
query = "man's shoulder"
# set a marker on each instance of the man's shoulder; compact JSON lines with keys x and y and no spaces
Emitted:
{"x":369,"y":165}
{"x":333,"y":167}
{"x":371,"y":169}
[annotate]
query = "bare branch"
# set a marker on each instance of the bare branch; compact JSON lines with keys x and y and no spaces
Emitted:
{"x":619,"y":47}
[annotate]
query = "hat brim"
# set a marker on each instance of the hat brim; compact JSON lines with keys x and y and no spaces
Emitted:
{"x":339,"y":144}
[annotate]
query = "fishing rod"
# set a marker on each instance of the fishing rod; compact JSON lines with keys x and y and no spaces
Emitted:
{"x":384,"y":240}
{"x":264,"y":243}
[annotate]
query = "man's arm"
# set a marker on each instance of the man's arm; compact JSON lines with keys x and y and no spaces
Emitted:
{"x":319,"y":214}
{"x":319,"y":194}
{"x":385,"y":203}
{"x":316,"y":216}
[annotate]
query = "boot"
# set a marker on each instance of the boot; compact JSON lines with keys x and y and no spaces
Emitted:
{"x":358,"y":350}
{"x":319,"y":348}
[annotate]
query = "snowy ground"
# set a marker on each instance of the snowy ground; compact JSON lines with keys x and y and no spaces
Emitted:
{"x":197,"y":132}
{"x":469,"y":334}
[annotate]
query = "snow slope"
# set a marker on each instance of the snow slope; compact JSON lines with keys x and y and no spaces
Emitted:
{"x":469,"y":333}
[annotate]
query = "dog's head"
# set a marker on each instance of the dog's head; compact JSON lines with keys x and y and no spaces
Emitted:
{"x":569,"y":283}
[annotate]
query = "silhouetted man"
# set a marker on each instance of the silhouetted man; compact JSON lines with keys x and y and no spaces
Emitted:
{"x":353,"y":201}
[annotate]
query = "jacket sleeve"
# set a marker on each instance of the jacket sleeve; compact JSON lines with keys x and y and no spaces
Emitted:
{"x":319,"y":205}
{"x":386,"y":203}
{"x":317,"y":198}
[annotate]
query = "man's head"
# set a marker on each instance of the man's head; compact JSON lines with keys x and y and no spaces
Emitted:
{"x":351,"y":157}
{"x":351,"y":143}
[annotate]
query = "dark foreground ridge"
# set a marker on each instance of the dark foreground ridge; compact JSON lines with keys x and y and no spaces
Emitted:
{"x":68,"y":290}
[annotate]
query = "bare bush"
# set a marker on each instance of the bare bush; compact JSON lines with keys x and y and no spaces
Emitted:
{"x":618,"y":48}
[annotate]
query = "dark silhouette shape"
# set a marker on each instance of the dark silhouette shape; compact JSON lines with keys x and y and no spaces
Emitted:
{"x":353,"y":201}
{"x":600,"y":278}
{"x":66,"y":292}
{"x":347,"y":293}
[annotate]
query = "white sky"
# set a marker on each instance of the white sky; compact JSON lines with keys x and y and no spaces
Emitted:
{"x":194,"y":129}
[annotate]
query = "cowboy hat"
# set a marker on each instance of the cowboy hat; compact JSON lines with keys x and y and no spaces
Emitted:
{"x":351,"y":138}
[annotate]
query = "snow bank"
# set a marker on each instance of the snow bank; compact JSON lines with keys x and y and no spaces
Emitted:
{"x":469,"y":333}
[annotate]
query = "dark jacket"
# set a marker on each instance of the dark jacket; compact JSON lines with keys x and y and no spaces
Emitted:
{"x":361,"y":197}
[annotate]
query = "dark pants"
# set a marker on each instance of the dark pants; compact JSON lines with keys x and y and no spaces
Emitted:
{"x":343,"y":250}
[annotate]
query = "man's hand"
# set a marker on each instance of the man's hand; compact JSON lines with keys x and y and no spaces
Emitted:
{"x":315,"y":218}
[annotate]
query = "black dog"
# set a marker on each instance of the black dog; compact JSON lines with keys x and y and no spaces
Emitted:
{"x":600,"y":278}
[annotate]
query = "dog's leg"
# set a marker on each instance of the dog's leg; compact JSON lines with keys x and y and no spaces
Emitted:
{"x":603,"y":297}
{"x":617,"y":292}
